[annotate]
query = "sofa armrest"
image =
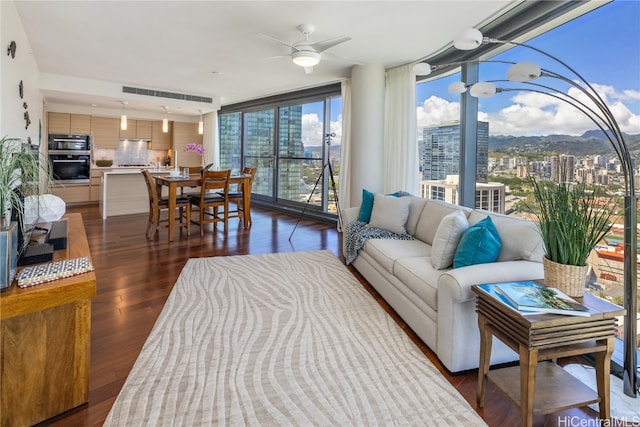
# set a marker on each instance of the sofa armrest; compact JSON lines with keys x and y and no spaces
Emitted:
{"x":455,"y":285}
{"x":458,"y":335}
{"x":349,"y":215}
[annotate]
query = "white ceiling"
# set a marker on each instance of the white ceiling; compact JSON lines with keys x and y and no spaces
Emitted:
{"x":87,"y":50}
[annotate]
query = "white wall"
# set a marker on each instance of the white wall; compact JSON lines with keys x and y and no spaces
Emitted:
{"x":12,"y":71}
{"x":367,"y":130}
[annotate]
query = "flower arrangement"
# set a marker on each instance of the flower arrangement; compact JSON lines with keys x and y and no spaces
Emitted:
{"x":195,"y":148}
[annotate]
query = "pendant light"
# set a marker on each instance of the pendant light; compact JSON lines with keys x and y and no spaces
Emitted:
{"x":165,"y":121}
{"x":200,"y":124}
{"x":123,"y":117}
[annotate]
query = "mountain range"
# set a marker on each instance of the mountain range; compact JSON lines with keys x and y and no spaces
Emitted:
{"x":590,"y":143}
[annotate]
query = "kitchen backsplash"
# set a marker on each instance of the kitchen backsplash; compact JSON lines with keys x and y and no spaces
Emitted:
{"x":131,"y":153}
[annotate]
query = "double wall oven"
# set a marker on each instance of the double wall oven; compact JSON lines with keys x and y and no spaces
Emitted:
{"x":70,"y":158}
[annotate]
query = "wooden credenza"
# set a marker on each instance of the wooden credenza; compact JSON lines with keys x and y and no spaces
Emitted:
{"x":45,"y":336}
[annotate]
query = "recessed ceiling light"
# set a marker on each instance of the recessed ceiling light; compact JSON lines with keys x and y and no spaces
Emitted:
{"x":94,"y":105}
{"x":216,"y":73}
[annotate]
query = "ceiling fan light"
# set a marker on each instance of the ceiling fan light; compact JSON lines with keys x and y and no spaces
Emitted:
{"x":305,"y":58}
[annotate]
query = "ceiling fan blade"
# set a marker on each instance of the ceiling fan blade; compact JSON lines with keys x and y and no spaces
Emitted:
{"x":273,"y":39}
{"x":326,"y":44}
{"x":337,"y":58}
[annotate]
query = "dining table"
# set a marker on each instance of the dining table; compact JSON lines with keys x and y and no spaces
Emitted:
{"x":195,"y":180}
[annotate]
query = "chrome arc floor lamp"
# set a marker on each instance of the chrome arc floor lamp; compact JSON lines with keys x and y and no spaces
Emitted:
{"x":586,"y":100}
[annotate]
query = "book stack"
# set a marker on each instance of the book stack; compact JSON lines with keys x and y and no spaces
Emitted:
{"x":529,"y":297}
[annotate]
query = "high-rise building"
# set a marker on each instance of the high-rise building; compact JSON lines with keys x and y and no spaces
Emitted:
{"x":290,"y":146}
{"x":440,"y":151}
{"x":489,"y":196}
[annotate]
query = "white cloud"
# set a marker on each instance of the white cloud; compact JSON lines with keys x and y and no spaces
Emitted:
{"x":531,"y":113}
{"x":436,"y":110}
{"x":311,"y":129}
{"x":313,"y":132}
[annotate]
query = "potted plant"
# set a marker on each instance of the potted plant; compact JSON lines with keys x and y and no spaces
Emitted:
{"x":572,"y":219}
{"x":19,"y":177}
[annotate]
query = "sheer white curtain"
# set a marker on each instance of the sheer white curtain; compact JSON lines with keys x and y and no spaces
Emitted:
{"x":344,"y":192}
{"x":401,"y":165}
{"x":210,"y":140}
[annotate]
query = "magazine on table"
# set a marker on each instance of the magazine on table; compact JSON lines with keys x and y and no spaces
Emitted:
{"x":532,"y":297}
{"x":491,"y":290}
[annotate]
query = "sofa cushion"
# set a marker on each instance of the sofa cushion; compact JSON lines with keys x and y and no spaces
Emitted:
{"x":432,"y":214}
{"x":419,"y":276}
{"x":415,"y":211}
{"x":479,"y":244}
{"x":520,"y":238}
{"x":386,"y":251}
{"x":366,"y":206}
{"x":446,"y":240}
{"x":390,"y":213}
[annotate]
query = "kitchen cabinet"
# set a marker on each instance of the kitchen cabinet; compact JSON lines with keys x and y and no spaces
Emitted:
{"x":59,"y":123}
{"x":186,"y":133}
{"x":160,"y":140}
{"x":143,"y":129}
{"x":106,"y":131}
{"x":72,"y":193}
{"x":130,"y":132}
{"x":80,"y":124}
{"x":136,"y":129}
{"x":95,"y":192}
{"x":64,"y":123}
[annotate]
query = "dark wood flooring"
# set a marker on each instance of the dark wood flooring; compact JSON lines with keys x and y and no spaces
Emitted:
{"x":135,"y":276}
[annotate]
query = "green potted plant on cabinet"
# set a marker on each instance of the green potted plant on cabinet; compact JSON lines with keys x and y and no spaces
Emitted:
{"x":572,"y":219}
{"x":20,"y":174}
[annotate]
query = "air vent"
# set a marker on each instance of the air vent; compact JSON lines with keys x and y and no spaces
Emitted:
{"x":164,"y":94}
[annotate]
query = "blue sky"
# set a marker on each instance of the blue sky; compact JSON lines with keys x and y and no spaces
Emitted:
{"x":603,"y":46}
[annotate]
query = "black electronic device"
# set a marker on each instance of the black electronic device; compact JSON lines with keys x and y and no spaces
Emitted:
{"x":41,"y":252}
{"x":58,"y":235}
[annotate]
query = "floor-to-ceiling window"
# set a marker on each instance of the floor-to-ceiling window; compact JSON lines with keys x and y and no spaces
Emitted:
{"x":293,"y":144}
{"x":530,"y":133}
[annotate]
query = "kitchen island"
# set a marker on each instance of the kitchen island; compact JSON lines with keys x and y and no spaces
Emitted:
{"x":124,"y":191}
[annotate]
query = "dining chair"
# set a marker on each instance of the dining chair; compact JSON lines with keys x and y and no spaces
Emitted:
{"x":214,"y":193}
{"x":157,"y":204}
{"x":237,"y":197}
{"x":193,"y":170}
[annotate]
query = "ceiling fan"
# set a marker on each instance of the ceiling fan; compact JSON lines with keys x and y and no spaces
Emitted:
{"x":306,"y":53}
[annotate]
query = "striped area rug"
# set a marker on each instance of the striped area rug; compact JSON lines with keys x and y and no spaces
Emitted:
{"x":281,"y":339}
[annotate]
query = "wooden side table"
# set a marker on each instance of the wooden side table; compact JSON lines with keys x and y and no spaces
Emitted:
{"x":45,"y":333}
{"x":546,"y":388}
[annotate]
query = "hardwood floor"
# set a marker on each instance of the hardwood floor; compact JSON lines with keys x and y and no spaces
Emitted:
{"x":135,"y":276}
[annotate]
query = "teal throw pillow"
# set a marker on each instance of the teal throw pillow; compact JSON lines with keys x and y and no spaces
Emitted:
{"x":366,"y":207}
{"x":479,"y":244}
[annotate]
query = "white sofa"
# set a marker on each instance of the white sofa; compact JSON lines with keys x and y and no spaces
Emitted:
{"x":438,"y":304}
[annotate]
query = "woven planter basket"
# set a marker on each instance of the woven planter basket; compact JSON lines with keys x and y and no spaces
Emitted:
{"x":570,"y":279}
